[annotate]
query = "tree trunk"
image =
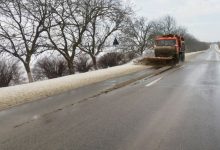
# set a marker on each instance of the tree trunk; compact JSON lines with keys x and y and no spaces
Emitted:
{"x":29,"y":74}
{"x":71,"y":67}
{"x":94,"y":62}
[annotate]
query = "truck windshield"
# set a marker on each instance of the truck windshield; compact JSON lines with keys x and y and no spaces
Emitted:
{"x":166,"y":42}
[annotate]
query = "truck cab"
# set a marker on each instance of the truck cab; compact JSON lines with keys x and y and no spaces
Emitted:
{"x":171,"y":46}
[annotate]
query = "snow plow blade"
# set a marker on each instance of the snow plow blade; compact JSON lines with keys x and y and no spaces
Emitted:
{"x":157,"y":61}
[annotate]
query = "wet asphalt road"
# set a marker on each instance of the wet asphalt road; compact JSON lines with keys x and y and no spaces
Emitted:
{"x":176,"y":110}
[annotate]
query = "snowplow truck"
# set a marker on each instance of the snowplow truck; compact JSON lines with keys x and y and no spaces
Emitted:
{"x":170,"y":46}
{"x":168,"y":49}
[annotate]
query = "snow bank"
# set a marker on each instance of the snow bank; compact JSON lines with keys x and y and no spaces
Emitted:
{"x":14,"y":95}
{"x":192,"y":54}
{"x":22,"y":93}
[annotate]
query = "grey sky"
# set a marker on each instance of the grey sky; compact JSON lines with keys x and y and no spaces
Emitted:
{"x":200,"y":17}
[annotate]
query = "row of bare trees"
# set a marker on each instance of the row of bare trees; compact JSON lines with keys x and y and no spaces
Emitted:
{"x":70,"y":27}
{"x":139,"y":33}
{"x":54,"y":67}
{"x":74,"y":28}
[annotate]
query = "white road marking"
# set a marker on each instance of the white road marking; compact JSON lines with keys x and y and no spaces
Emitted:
{"x":153,"y":82}
{"x":182,"y":66}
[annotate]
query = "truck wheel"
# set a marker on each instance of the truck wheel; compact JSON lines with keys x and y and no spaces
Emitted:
{"x":182,"y":56}
{"x":176,"y":58}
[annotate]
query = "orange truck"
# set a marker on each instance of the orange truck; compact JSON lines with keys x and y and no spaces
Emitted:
{"x":170,"y":47}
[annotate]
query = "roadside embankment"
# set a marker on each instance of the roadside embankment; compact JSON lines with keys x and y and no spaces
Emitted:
{"x":15,"y":95}
{"x":192,"y":55}
{"x":11,"y":96}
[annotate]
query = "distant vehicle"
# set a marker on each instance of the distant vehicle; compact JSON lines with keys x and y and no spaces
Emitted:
{"x":170,"y":47}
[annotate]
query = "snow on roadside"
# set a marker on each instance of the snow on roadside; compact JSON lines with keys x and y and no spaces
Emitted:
{"x":14,"y":95}
{"x":192,"y":54}
{"x":22,"y":93}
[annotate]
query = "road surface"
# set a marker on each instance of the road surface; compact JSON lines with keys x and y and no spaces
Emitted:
{"x":176,"y":110}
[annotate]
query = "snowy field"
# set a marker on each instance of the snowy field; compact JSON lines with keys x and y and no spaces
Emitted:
{"x":15,"y":95}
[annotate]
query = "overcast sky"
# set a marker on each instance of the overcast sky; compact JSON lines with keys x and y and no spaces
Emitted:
{"x":200,"y":17}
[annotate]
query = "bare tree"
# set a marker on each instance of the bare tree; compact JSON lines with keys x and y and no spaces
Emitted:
{"x":111,"y":60}
{"x":167,"y":25}
{"x":50,"y":67}
{"x":72,"y":18}
{"x":83,"y":64}
{"x":108,"y":19}
{"x":136,"y":35}
{"x":21,"y":25}
{"x":182,"y":31}
{"x":8,"y":72}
